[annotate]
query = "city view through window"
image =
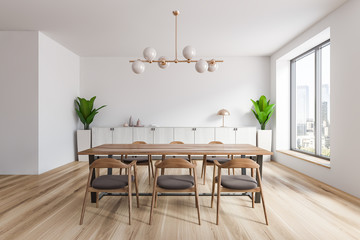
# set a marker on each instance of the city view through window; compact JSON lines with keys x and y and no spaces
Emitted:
{"x":311,"y":79}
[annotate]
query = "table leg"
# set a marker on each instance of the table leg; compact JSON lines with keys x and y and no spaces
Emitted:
{"x":93,"y":194}
{"x":243,"y":170}
{"x":259,"y":160}
{"x":110,"y":169}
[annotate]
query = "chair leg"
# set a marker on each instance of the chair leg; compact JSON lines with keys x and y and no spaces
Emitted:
{"x":253,"y":199}
{"x":204,"y":174}
{"x":130,"y":202}
{"x":233,"y":171}
{"x":197,"y":204}
{"x":213,"y":189}
{"x":149,"y":174}
{"x":218,"y":200}
{"x":190,"y":171}
{"x":262,"y":196}
{"x":120,"y":171}
{"x":86,"y":193}
{"x":152,"y":166}
{"x":153,"y":196}
{"x":228,"y":171}
{"x":137,"y":191}
{"x":83,"y":208}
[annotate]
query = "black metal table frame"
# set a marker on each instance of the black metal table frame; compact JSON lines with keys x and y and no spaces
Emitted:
{"x":259,"y":160}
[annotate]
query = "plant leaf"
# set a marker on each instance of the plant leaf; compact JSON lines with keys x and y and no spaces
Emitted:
{"x":101,"y":107}
{"x":262,"y":103}
{"x":84,"y":107}
{"x":262,"y":117}
{"x":82,"y":119}
{"x":255,"y":114}
{"x":269,"y":116}
{"x":256,"y":106}
{"x":91,"y":103}
{"x":90,"y":118}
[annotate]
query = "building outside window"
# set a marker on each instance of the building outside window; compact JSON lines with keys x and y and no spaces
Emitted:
{"x":310,"y":101}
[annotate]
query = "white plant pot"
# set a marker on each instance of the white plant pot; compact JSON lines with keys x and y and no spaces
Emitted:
{"x":83,"y":143}
{"x":263,"y":140}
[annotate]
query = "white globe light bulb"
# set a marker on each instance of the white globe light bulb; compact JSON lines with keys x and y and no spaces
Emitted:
{"x":149,"y":53}
{"x":163,"y":65}
{"x":189,"y":52}
{"x":201,"y":66}
{"x":138,"y":67}
{"x":213,"y":67}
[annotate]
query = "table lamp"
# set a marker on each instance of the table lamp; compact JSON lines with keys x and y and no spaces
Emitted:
{"x":223,"y":113}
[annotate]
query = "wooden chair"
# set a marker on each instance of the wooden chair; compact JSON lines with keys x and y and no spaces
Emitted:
{"x":187,"y":159}
{"x":237,"y":183}
{"x":174,"y":183}
{"x":140,"y":161}
{"x":111,"y":183}
{"x":209,"y":161}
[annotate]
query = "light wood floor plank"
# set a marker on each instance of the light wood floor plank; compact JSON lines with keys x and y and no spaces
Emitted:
{"x":48,"y":207}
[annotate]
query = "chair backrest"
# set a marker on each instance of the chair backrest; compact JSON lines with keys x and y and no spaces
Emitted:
{"x":176,"y":142}
{"x":110,"y":163}
{"x":175,"y":163}
{"x":139,"y":142}
{"x":238,"y":163}
{"x":215,"y":142}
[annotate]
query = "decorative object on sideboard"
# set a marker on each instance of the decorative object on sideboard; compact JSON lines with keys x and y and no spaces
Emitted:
{"x":223,"y":113}
{"x":263,"y":112}
{"x":125,"y":125}
{"x":189,"y":52}
{"x":138,"y":124}
{"x":130,"y":122}
{"x":86,"y":111}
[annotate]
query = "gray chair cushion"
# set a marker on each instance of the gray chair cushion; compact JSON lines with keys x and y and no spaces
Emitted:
{"x":111,"y":181}
{"x":238,"y":182}
{"x":175,"y":181}
{"x":221,"y":160}
{"x":138,"y":159}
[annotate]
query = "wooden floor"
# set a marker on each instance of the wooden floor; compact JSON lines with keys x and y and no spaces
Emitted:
{"x":48,"y":207}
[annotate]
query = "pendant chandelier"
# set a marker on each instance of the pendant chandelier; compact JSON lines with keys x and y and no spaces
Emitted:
{"x":189,"y":52}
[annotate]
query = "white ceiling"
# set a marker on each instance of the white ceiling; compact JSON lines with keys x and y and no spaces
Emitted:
{"x":126,"y":27}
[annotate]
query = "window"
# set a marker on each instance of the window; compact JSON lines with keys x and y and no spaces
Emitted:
{"x":310,"y":101}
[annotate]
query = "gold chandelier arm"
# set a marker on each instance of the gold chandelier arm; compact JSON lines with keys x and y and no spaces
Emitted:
{"x":176,"y":36}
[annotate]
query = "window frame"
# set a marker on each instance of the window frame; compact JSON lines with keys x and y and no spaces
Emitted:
{"x":318,"y":84}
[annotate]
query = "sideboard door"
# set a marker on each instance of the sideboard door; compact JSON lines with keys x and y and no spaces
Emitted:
{"x":122,"y":135}
{"x":225,"y":135}
{"x":186,"y":135}
{"x":204,"y":135}
{"x":246,"y":135}
{"x":163,"y":135}
{"x":145,"y":134}
{"x":101,"y":136}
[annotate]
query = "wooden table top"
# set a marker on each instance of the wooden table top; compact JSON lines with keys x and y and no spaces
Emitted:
{"x":176,"y":149}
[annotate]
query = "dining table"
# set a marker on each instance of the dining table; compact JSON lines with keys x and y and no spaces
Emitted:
{"x":242,"y":150}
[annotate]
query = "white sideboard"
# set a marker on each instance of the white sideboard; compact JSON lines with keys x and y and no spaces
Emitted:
{"x":164,"y":135}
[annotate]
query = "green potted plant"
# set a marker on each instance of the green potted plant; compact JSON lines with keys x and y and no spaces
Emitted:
{"x":86,"y":113}
{"x":263,"y":111}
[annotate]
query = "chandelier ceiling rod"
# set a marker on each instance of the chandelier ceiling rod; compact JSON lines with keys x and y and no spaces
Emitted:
{"x":188,"y":52}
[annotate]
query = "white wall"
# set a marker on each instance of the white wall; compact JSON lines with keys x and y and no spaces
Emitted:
{"x":59,"y":73}
{"x":177,"y":96}
{"x":345,"y":86}
{"x":18,"y":95}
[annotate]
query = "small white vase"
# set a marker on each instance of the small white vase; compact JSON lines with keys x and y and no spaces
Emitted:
{"x":263,"y":140}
